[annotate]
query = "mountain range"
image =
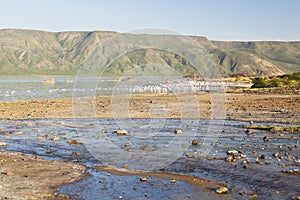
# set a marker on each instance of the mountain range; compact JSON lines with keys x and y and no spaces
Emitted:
{"x":33,"y":52}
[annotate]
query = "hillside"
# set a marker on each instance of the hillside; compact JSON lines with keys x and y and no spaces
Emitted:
{"x":39,"y":52}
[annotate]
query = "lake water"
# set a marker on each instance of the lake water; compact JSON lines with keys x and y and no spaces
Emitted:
{"x":32,"y":88}
{"x":263,"y":176}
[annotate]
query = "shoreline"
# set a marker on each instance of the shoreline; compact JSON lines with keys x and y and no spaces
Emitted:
{"x":256,"y":107}
{"x":269,"y":107}
{"x":32,"y":177}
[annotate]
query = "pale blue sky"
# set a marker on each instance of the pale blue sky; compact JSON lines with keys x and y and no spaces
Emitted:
{"x":215,"y":19}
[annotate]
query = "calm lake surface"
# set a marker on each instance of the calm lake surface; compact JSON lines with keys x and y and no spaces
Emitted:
{"x":33,"y":88}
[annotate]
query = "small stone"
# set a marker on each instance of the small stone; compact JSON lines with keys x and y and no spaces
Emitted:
{"x":229,"y":158}
{"x":173,"y":181}
{"x":266,"y":139}
{"x":127,"y":144}
{"x":74,"y":142}
{"x":262,"y":157}
{"x":276,"y":154}
{"x":232,"y":152}
{"x":178,"y":131}
{"x":195,"y":142}
{"x":121,"y":132}
{"x":120,"y":197}
{"x":3,"y":144}
{"x":55,"y":139}
{"x":143,"y":179}
{"x":74,"y":153}
{"x":243,"y":156}
{"x":104,"y":131}
{"x":248,"y":131}
{"x":7,"y":173}
{"x":48,"y":151}
{"x":222,"y":190}
{"x":17,"y":132}
{"x":298,"y":198}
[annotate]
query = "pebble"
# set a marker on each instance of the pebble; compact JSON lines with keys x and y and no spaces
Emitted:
{"x":266,"y":139}
{"x":7,"y":173}
{"x":248,"y":131}
{"x":121,"y":132}
{"x":74,"y":142}
{"x":195,"y":142}
{"x":3,"y":144}
{"x":127,"y":144}
{"x":178,"y":131}
{"x":55,"y":139}
{"x":104,"y":131}
{"x":17,"y":132}
{"x":48,"y":151}
{"x":232,"y":152}
{"x":222,"y":190}
{"x":173,"y":181}
{"x":143,"y":179}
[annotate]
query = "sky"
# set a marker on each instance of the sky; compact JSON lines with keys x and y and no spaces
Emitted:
{"x":215,"y":19}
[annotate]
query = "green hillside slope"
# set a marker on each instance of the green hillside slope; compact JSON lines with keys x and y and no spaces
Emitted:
{"x":33,"y":52}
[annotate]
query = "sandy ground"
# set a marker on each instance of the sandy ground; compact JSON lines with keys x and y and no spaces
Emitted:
{"x":28,"y":177}
{"x":270,"y":107}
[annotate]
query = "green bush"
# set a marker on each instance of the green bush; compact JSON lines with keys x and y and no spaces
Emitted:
{"x":290,"y":80}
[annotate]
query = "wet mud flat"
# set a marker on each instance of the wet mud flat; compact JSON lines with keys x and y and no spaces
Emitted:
{"x":213,"y":153}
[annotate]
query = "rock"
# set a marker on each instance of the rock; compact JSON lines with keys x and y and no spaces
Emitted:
{"x":173,"y":181}
{"x":266,"y":139}
{"x":143,"y":179}
{"x":222,"y":190}
{"x":248,"y":131}
{"x":229,"y":158}
{"x":195,"y":142}
{"x":262,"y":157}
{"x":276,"y":154}
{"x":55,"y":139}
{"x":232,"y":152}
{"x":74,"y":153}
{"x":74,"y":142}
{"x":120,"y":197}
{"x":17,"y":132}
{"x":3,"y":144}
{"x":121,"y":132}
{"x":7,"y":173}
{"x":178,"y":131}
{"x":127,"y":144}
{"x":243,"y":156}
{"x":104,"y":131}
{"x":29,"y":124}
{"x":298,"y":198}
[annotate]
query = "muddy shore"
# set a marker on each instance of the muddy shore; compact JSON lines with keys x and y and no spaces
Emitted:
{"x":257,"y":107}
{"x":18,"y":170}
{"x":30,"y":177}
